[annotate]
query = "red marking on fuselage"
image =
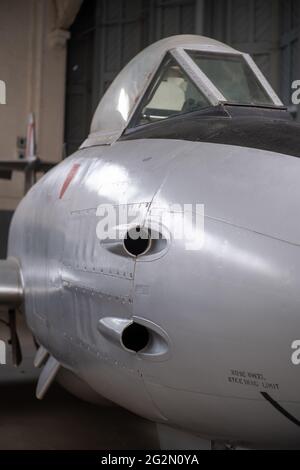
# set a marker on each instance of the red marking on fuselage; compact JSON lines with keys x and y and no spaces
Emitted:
{"x":69,"y":179}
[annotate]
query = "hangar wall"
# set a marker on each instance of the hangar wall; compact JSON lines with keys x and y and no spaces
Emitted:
{"x":33,"y":36}
{"x":32,"y":63}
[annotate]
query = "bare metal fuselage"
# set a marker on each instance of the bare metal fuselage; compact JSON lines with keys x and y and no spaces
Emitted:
{"x":223,"y":317}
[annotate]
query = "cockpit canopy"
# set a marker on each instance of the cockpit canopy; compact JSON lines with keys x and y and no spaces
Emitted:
{"x":174,"y":76}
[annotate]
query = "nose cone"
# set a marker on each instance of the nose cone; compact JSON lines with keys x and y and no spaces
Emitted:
{"x":249,"y":188}
{"x":231,"y":308}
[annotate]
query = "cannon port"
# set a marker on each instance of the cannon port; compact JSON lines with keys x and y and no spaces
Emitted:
{"x":137,"y":241}
{"x":135,"y":337}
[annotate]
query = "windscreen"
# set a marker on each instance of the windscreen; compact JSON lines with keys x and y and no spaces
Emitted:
{"x":170,"y":94}
{"x":233,"y":77}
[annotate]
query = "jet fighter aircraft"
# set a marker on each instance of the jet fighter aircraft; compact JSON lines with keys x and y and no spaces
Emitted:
{"x":198,"y":337}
